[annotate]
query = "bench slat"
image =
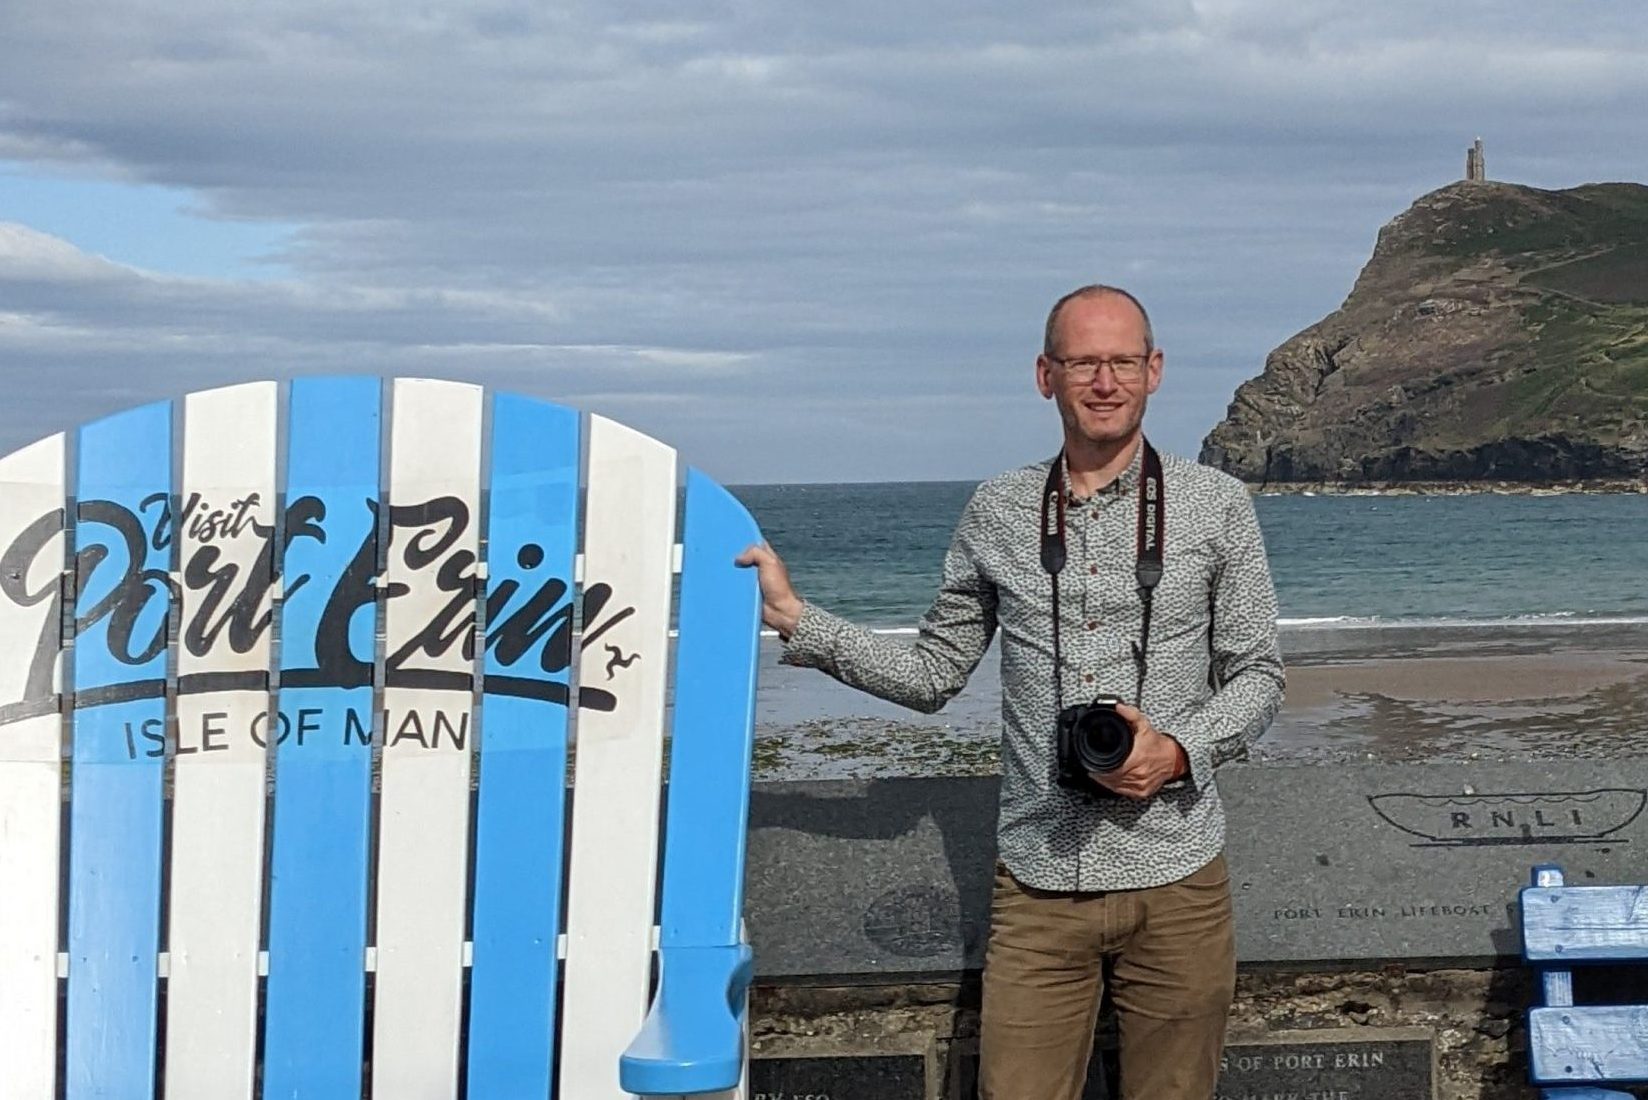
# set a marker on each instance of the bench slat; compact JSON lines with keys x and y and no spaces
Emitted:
{"x":1585,"y":923}
{"x":520,"y":821}
{"x":693,"y":1037}
{"x":423,"y":824}
{"x":1602,"y":1043}
{"x":314,"y":1020}
{"x":713,"y":723}
{"x":31,"y":522}
{"x":629,"y":535}
{"x":216,"y":907}
{"x":119,"y":724}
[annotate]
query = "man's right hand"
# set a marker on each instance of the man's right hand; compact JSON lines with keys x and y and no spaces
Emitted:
{"x":780,"y":606}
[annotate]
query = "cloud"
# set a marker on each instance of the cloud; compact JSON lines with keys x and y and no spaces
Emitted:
{"x":28,"y":256}
{"x":762,"y":227}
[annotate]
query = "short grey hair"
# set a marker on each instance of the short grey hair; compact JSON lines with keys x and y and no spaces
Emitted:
{"x":1094,"y":290}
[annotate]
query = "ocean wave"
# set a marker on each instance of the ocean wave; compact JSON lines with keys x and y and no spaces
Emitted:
{"x":765,"y":633}
{"x":1543,"y":618}
{"x":1576,"y":619}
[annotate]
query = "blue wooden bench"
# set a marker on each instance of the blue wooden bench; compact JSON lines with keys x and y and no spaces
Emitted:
{"x":473,"y":596}
{"x":1573,"y":1049}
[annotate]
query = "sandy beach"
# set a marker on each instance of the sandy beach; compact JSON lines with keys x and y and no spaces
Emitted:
{"x":1360,"y":693}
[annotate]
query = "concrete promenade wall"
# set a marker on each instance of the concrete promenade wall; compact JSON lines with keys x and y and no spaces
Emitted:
{"x":1376,"y":925}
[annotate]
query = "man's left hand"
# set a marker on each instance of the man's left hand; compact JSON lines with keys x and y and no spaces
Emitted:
{"x":1156,"y":759}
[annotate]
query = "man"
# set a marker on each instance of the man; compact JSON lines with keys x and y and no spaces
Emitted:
{"x":1129,"y":874}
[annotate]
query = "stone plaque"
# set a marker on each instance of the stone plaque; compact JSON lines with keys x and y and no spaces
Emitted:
{"x":1418,"y":861}
{"x":871,"y":1077}
{"x":1337,"y":1064}
{"x":1340,"y":864}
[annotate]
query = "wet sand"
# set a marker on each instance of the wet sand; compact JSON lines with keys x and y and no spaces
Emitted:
{"x":1363,"y":693}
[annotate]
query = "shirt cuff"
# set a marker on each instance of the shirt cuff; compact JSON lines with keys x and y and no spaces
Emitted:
{"x":813,"y":640}
{"x":1194,"y":734}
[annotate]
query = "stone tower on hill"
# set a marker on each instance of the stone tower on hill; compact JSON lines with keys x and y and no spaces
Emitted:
{"x":1476,"y":168}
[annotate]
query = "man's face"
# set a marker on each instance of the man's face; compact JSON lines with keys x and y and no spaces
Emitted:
{"x":1108,"y":407}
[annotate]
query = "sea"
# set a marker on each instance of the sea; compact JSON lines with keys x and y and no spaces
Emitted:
{"x":1555,"y":585}
{"x":873,"y":553}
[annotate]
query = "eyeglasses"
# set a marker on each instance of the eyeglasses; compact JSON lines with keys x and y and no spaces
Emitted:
{"x":1125,"y":369}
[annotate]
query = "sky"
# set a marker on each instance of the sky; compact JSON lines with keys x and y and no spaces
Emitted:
{"x":799,"y":241}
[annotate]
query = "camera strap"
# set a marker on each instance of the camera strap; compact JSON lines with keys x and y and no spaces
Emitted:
{"x":1152,"y":531}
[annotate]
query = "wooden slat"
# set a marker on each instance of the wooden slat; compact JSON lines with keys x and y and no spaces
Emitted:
{"x":693,"y":1039}
{"x":1556,"y":983}
{"x":423,"y":835}
{"x":225,"y":530}
{"x":629,"y":533}
{"x":31,"y":745}
{"x":1601,"y":1043}
{"x":317,"y":903}
{"x":123,"y":481}
{"x":1574,"y":924}
{"x":713,"y":725}
{"x":520,"y":821}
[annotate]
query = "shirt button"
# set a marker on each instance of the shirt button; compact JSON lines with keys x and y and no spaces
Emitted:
{"x":1093,"y":569}
{"x":1087,"y":677}
{"x":1092,"y":624}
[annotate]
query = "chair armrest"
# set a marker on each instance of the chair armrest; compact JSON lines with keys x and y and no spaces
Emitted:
{"x":693,"y":1038}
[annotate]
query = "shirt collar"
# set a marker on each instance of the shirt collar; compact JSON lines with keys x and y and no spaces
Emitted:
{"x":1124,"y":484}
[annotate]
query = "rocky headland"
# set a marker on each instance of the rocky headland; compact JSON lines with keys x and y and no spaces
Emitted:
{"x":1497,"y":339}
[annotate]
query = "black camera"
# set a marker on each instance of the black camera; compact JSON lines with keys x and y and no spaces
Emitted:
{"x":1092,"y":737}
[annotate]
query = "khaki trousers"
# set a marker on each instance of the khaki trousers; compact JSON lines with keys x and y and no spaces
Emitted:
{"x":1173,"y":950}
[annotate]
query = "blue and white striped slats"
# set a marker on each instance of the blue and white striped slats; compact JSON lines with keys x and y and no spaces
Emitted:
{"x":485,"y":643}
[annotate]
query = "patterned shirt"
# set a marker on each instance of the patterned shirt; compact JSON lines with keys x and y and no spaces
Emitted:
{"x":1213,"y":623}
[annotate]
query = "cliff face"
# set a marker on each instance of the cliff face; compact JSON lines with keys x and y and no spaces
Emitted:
{"x":1498,"y":333}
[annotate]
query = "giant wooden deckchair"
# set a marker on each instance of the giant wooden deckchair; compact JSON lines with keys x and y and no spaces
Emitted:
{"x":403,"y":891}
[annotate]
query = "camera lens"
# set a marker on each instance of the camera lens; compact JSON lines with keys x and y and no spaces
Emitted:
{"x":1103,"y":739}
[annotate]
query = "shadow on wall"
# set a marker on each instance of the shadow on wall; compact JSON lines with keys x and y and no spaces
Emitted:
{"x":925,"y":914}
